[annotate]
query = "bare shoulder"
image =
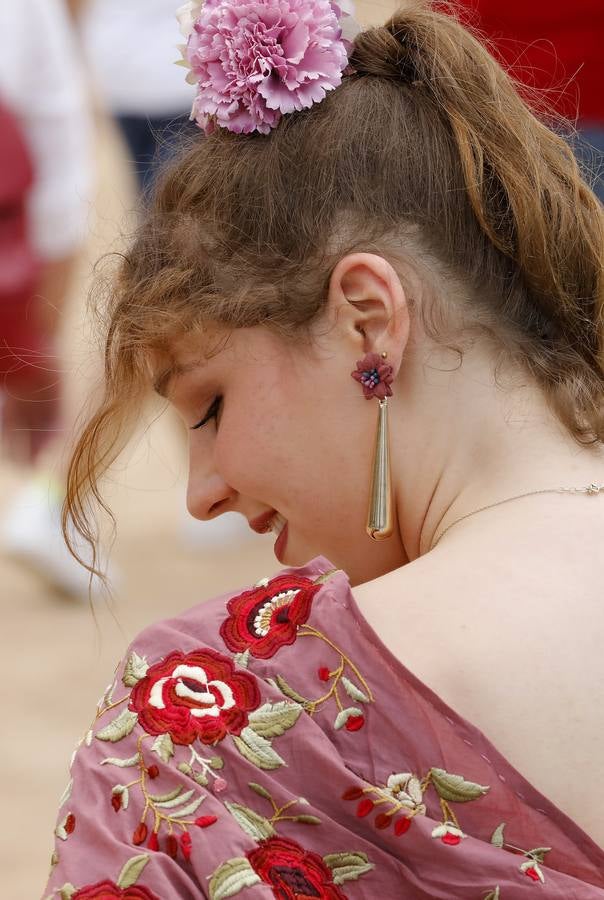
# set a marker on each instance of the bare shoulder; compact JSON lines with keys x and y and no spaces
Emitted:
{"x":517,"y":653}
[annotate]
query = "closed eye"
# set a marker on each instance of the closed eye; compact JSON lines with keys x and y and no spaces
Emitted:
{"x":212,"y":413}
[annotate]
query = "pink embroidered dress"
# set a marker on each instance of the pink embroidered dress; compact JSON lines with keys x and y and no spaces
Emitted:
{"x":266,"y":744}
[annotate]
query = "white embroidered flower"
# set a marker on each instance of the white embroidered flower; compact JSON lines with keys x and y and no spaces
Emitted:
{"x":406,"y":788}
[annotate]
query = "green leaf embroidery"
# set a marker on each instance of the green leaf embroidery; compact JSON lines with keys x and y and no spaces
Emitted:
{"x":135,"y":669}
{"x":172,"y":802}
{"x":162,"y":798}
{"x":258,"y":750}
{"x":216,"y":762}
{"x":119,"y":728}
{"x":122,"y":763}
{"x":251,"y":822}
{"x":109,"y":692}
{"x":497,"y":836}
{"x":67,"y":891}
{"x":289,"y":691}
{"x":538,"y":853}
{"x":231,"y":877}
{"x":258,"y":789}
{"x":274,"y":719}
{"x":347,"y":866}
{"x":344,"y":715}
{"x":353,"y":691}
{"x":163,"y":747}
{"x":493,"y":895}
{"x":455,"y":788}
{"x":189,"y":809}
{"x":131,"y":871}
{"x":308,"y":820}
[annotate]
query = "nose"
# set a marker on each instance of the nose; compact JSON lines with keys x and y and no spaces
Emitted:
{"x":208,"y":494}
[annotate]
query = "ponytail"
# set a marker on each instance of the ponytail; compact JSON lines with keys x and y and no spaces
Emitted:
{"x":521,"y":179}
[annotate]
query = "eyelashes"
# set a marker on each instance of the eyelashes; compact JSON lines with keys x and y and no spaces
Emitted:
{"x":212,"y":413}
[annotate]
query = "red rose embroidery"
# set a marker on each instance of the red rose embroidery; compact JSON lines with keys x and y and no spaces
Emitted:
{"x":107,"y":890}
{"x":267,"y":617}
{"x":292,"y":871}
{"x":195,"y":695}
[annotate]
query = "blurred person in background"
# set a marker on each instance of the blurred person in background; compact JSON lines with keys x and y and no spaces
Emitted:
{"x":555,"y":47}
{"x":137,"y":81}
{"x":45,"y":145}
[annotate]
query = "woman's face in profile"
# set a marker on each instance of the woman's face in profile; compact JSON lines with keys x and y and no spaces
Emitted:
{"x":280,"y":428}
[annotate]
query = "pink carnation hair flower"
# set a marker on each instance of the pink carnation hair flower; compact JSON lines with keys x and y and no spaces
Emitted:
{"x":254,"y":60}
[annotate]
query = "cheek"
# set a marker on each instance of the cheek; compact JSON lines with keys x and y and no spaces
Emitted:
{"x":264,"y":450}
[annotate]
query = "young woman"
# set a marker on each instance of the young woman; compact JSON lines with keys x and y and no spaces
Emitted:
{"x":386,"y":207}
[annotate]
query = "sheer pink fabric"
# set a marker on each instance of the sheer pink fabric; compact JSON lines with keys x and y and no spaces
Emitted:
{"x":363,"y":783}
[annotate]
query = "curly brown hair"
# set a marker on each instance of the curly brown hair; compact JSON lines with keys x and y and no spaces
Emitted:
{"x":428,"y":147}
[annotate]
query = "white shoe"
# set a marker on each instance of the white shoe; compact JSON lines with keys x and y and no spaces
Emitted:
{"x":31,"y":532}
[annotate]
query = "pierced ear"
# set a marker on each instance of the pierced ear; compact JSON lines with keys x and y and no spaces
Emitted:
{"x":369,"y":301}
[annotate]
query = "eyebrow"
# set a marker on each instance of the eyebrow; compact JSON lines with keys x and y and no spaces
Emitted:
{"x":162,"y":382}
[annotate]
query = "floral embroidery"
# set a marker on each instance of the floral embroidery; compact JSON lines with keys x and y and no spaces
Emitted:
{"x":107,"y":890}
{"x":404,"y":792}
{"x":66,"y":827}
{"x":274,"y":614}
{"x":171,"y":809}
{"x":180,"y":700}
{"x":124,"y":889}
{"x":449,"y":833}
{"x":531,"y":866}
{"x":292,"y":871}
{"x":532,"y":870}
{"x":267,"y":617}
{"x":349,"y":717}
{"x":187,"y":702}
{"x":194,"y":695}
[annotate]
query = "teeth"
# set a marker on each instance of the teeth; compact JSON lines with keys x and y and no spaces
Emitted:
{"x":278,"y":523}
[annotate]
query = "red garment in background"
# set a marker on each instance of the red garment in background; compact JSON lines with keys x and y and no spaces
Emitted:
{"x":554,"y":45}
{"x":29,"y":384}
{"x":18,"y":264}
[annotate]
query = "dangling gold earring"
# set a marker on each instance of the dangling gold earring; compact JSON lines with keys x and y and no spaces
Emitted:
{"x":376,"y":377}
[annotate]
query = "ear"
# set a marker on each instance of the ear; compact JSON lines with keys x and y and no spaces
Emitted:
{"x":370,"y":306}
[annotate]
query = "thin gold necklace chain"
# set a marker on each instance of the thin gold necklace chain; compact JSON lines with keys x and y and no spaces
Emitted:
{"x":592,"y":489}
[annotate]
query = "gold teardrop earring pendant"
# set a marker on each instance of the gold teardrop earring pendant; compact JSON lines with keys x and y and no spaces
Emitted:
{"x":375,"y":377}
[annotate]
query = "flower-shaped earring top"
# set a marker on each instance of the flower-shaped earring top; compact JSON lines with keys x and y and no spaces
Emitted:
{"x":375,"y":376}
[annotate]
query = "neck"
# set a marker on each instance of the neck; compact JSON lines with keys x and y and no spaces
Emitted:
{"x":461,"y":441}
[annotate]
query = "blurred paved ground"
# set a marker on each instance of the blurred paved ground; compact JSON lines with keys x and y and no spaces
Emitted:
{"x":56,"y":658}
